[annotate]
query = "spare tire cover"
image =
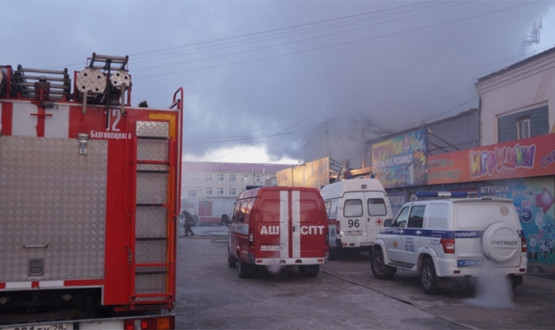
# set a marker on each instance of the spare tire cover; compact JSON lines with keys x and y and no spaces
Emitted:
{"x":500,"y":242}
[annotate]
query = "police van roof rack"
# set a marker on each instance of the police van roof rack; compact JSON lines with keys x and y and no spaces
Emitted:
{"x":439,"y":194}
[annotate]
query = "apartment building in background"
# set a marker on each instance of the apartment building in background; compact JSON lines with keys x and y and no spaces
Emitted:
{"x":209,"y":189}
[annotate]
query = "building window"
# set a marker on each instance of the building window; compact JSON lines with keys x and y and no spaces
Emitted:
{"x":232,"y":178}
{"x":523,"y":124}
{"x":220,"y":191}
{"x":246,"y":178}
{"x":220,"y":178}
{"x":257,"y":179}
{"x":208,"y":191}
{"x":192,"y":193}
{"x":196,"y":177}
{"x":523,"y":128}
{"x":208,"y":177}
{"x":232,"y":191}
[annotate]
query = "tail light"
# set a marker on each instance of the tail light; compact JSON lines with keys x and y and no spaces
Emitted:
{"x":448,"y":245}
{"x":337,"y":227}
{"x":251,"y":237}
{"x":161,"y":322}
{"x":524,"y":246}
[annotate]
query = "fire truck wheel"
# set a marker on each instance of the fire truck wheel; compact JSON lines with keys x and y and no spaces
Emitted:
{"x":309,"y":271}
{"x":244,"y":270}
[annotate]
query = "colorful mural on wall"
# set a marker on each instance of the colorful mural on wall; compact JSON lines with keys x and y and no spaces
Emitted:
{"x":401,"y":161}
{"x":534,"y":201}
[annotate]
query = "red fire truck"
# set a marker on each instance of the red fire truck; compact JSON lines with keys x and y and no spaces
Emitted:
{"x":89,"y":195}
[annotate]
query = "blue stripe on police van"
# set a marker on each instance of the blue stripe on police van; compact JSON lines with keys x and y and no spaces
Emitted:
{"x":434,"y":233}
{"x":438,"y":233}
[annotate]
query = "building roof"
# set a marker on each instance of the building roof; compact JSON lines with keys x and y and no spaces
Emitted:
{"x":233,"y":167}
{"x":516,"y":65}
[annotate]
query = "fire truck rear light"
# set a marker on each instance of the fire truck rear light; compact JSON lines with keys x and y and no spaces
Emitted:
{"x":320,"y":260}
{"x":159,"y":323}
{"x":456,"y":271}
{"x":129,"y":325}
{"x":448,"y":245}
{"x":282,"y":261}
{"x":163,"y":323}
{"x":251,"y":237}
{"x":298,"y":261}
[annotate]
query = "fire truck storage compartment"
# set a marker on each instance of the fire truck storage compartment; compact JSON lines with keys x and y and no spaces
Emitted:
{"x":52,"y":209}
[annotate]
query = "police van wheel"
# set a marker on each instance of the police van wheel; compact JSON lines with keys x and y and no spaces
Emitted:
{"x":379,"y":268}
{"x":428,"y":278}
{"x":309,"y":271}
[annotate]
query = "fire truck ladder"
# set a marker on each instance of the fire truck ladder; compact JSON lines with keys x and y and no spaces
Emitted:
{"x":29,"y":83}
{"x":153,"y":214}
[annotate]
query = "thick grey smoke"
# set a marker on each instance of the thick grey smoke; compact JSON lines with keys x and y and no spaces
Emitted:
{"x":268,"y":73}
{"x":342,"y":138}
{"x":493,"y":290}
{"x":397,"y":72}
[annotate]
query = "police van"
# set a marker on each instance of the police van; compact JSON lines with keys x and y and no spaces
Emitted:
{"x":449,"y":237}
{"x":357,"y":209}
{"x":278,"y":226}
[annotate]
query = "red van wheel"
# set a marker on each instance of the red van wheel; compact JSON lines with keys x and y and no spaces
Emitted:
{"x":231,"y":261}
{"x":309,"y":270}
{"x":244,"y":270}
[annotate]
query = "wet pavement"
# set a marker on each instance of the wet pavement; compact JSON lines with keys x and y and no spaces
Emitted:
{"x":345,"y":295}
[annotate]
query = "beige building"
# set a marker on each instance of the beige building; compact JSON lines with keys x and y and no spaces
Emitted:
{"x":517,"y":102}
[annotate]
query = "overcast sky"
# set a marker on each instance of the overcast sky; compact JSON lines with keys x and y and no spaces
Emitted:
{"x":260,"y":75}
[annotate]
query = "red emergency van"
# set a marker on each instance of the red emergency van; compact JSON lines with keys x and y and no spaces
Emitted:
{"x":278,"y":226}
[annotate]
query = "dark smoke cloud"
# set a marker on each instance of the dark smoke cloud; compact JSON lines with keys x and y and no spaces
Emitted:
{"x":275,"y":73}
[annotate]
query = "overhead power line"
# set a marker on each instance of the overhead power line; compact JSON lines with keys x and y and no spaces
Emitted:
{"x":298,"y":29}
{"x":327,"y":46}
{"x":360,"y":23}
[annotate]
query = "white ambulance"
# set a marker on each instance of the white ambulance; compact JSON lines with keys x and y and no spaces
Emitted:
{"x":278,"y":226}
{"x":357,"y":209}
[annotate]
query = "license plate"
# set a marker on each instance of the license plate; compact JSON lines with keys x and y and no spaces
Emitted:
{"x":51,"y":326}
{"x":470,"y":262}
